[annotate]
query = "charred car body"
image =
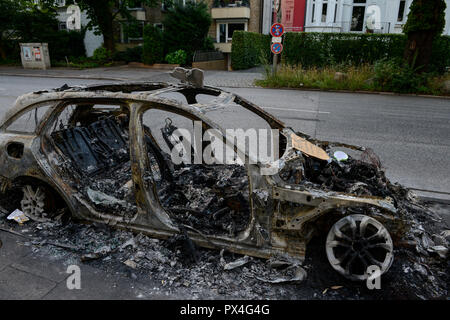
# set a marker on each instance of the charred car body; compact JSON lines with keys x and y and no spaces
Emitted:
{"x":99,"y":150}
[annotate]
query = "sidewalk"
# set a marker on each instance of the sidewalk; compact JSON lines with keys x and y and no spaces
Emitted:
{"x":240,"y":79}
{"x":29,"y":272}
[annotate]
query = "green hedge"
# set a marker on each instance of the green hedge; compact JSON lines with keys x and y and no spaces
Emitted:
{"x":320,"y":49}
{"x":247,"y":48}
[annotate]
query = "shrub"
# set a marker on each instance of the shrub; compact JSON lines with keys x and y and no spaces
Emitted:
{"x":186,"y":27}
{"x":248,"y":49}
{"x":321,"y":49}
{"x":129,"y":55}
{"x":385,"y":75}
{"x":208,"y":44}
{"x":102,"y":55}
{"x":177,"y":57}
{"x":397,"y":76}
{"x":152,"y":51}
{"x":62,"y":44}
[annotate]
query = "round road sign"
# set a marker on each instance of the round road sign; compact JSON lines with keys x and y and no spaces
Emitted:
{"x":276,"y":48}
{"x":277,"y":30}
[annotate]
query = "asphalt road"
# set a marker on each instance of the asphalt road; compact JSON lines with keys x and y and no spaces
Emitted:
{"x":410,"y":134}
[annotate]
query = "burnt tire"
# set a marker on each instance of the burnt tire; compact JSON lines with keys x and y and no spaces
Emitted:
{"x":357,"y":242}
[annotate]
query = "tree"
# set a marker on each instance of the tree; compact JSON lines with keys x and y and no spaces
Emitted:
{"x":186,"y":27}
{"x":103,"y":14}
{"x":8,"y":17}
{"x":26,"y":20}
{"x":426,"y":21}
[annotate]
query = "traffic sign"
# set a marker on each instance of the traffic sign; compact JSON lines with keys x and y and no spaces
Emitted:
{"x":276,"y":48}
{"x":277,"y":30}
{"x":276,"y":39}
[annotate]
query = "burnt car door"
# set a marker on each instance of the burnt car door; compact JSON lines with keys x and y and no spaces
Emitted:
{"x":19,"y":139}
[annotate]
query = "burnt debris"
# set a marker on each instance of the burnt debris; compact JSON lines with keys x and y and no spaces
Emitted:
{"x":210,"y":198}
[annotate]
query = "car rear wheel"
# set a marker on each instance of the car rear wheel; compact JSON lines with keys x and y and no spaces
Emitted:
{"x":36,"y":203}
{"x":357,"y":242}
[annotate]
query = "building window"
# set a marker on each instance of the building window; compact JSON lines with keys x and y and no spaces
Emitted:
{"x":62,"y":26}
{"x":335,"y":12}
{"x":233,"y":27}
{"x":135,"y":5}
{"x":226,"y":30}
{"x":313,"y":11}
{"x":359,"y":10}
{"x":324,"y":11}
{"x":401,"y":11}
{"x":132,"y":31}
{"x":288,"y":15}
{"x":160,"y":26}
{"x":222,"y":32}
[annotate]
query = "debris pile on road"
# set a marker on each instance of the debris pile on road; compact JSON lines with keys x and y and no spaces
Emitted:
{"x":177,"y":264}
{"x":210,"y":198}
{"x":170,"y":262}
{"x":363,"y":177}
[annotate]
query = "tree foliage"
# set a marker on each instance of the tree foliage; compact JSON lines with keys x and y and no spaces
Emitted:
{"x":26,"y":19}
{"x":186,"y":27}
{"x":153,"y":45}
{"x":103,"y":14}
{"x":426,"y":15}
{"x":426,"y":21}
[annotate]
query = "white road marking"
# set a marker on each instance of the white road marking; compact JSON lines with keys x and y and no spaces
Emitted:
{"x":299,"y":110}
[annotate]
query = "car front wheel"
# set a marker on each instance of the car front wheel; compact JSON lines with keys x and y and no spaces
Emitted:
{"x":357,"y":242}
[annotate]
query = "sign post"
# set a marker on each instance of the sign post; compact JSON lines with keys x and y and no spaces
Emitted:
{"x":277,"y":31}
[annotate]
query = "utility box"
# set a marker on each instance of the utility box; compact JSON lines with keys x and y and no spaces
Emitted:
{"x":35,"y":55}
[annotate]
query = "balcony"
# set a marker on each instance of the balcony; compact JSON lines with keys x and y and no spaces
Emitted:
{"x":138,"y":13}
{"x":229,"y":9}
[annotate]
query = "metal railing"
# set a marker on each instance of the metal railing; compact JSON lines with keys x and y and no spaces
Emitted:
{"x":200,"y":56}
{"x":230,"y":3}
{"x":349,"y":26}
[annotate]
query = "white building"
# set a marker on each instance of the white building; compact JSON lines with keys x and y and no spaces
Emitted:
{"x":74,"y":20}
{"x":381,"y":16}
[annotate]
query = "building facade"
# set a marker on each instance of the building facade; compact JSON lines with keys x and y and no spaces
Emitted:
{"x":378,"y":16}
{"x":71,"y":18}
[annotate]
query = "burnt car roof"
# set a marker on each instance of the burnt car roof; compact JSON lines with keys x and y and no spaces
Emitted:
{"x":137,"y":91}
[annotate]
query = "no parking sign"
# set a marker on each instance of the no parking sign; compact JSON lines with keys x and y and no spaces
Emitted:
{"x":277,"y":30}
{"x":276,"y":48}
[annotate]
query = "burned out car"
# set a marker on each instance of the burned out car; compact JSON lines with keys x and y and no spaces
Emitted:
{"x":106,"y":152}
